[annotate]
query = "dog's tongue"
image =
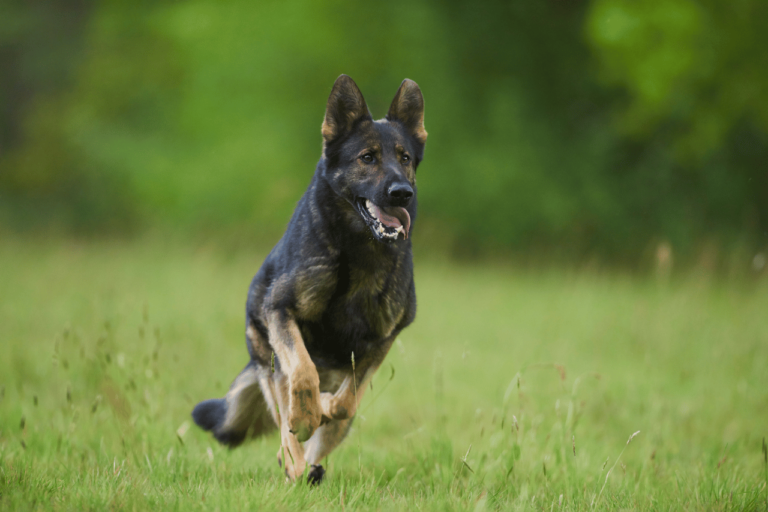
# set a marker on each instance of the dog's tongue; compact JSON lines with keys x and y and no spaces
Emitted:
{"x":394,"y":217}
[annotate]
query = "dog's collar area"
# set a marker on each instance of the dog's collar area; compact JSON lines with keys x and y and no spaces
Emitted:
{"x":385,"y":226}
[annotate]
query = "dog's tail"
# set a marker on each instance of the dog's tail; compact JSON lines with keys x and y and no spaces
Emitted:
{"x":242,"y":414}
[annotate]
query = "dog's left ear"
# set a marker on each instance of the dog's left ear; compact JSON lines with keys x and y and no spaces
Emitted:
{"x":408,"y":109}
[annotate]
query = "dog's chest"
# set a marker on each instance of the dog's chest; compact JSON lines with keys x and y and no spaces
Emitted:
{"x":374,"y":300}
{"x":366,"y":308}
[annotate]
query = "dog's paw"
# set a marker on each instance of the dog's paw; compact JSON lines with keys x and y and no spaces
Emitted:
{"x":316,"y":474}
{"x":337,"y":408}
{"x":305,"y":412}
{"x":292,"y":463}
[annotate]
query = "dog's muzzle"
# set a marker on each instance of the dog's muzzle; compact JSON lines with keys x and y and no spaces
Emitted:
{"x":386,"y":222}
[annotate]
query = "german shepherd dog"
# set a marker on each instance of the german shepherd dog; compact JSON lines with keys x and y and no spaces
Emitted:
{"x":334,"y":293}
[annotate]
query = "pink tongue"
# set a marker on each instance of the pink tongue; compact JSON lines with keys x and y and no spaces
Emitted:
{"x":394,"y":217}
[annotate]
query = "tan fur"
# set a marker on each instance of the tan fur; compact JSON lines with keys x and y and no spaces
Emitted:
{"x":355,"y":108}
{"x":390,"y":312}
{"x":290,"y":455}
{"x":409,"y":171}
{"x":407,"y":96}
{"x":420,"y":133}
{"x":338,"y":402}
{"x":308,"y":290}
{"x":342,"y":405}
{"x":244,"y":411}
{"x":312,"y":288}
{"x":326,"y":438}
{"x":303,"y":413}
{"x":258,"y":346}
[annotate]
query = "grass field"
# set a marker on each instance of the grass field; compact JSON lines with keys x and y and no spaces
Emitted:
{"x":513,"y":389}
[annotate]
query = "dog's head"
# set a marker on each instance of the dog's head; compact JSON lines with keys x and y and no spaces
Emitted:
{"x":372,"y":164}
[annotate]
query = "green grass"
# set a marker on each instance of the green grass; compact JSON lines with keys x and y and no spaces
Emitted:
{"x":107,"y":347}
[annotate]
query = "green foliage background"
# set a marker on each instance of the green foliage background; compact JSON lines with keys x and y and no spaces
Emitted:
{"x":579,"y":128}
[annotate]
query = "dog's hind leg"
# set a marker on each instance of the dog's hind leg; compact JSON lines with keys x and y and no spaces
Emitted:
{"x":290,"y":455}
{"x":324,"y":441}
{"x":242,"y":413}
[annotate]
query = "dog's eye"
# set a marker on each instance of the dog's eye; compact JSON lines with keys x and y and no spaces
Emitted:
{"x":367,"y":158}
{"x":406,"y":159}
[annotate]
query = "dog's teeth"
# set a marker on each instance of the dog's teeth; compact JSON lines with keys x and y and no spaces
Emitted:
{"x":379,"y":227}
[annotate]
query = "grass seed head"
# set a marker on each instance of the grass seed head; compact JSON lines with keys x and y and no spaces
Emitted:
{"x":561,"y":370}
{"x":632,"y":437}
{"x":182,"y":430}
{"x":96,"y":402}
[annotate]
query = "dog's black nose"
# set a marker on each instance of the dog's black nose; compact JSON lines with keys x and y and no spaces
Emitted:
{"x":400,"y":193}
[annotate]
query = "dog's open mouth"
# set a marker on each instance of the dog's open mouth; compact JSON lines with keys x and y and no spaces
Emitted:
{"x":386,"y":222}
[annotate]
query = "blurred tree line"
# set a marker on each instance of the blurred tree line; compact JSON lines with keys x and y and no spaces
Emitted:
{"x":581,"y":128}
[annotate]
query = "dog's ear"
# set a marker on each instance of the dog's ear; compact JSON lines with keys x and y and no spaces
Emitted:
{"x":346,"y":105}
{"x":408,"y":108}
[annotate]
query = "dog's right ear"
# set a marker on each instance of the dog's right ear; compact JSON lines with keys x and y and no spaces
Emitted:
{"x":346,"y":106}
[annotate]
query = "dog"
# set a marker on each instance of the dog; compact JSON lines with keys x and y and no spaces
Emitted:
{"x":334,"y":293}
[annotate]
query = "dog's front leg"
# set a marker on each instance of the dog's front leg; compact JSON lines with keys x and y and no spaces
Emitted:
{"x":299,"y":396}
{"x":342,"y":404}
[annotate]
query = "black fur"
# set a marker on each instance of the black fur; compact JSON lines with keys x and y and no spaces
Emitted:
{"x":210,"y":413}
{"x":343,"y":271}
{"x":242,"y":413}
{"x":359,"y":288}
{"x":210,"y":416}
{"x":316,"y":474}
